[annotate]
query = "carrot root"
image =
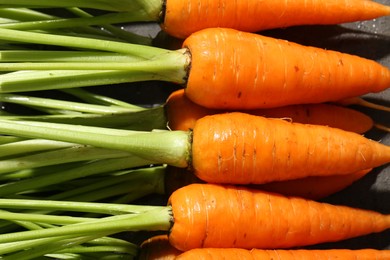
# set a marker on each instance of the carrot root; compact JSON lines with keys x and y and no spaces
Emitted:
{"x":238,"y":148}
{"x":208,"y":215}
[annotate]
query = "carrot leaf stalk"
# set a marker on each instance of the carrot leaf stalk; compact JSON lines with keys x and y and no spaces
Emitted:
{"x":158,"y":147}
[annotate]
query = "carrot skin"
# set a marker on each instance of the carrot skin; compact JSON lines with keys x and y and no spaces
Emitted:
{"x":183,"y":17}
{"x":210,"y":215}
{"x":248,"y":71}
{"x":239,"y":148}
{"x":182,"y":114}
{"x":299,"y":254}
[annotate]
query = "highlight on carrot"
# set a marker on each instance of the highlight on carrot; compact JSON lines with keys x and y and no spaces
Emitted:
{"x":192,"y":218}
{"x":277,"y":72}
{"x":157,"y":248}
{"x":229,"y":148}
{"x":237,"y":253}
{"x":181,"y":18}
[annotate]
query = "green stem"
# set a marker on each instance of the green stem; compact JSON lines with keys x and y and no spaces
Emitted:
{"x":21,"y":81}
{"x":64,"y":56}
{"x":59,"y":23}
{"x":145,"y":120}
{"x":60,"y":205}
{"x":60,"y":176}
{"x":94,"y":98}
{"x":118,"y":32}
{"x":75,"y":153}
{"x":133,"y":181}
{"x":51,"y":219}
{"x":31,"y":145}
{"x":157,"y":218}
{"x":146,"y":52}
{"x":40,"y":247}
{"x":161,"y":147}
{"x":150,"y":9}
{"x":61,"y":104}
{"x":24,"y":14}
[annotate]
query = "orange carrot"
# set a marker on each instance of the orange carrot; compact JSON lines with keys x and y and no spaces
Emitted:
{"x":299,"y":254}
{"x":185,"y":17}
{"x":315,"y":187}
{"x":182,"y":114}
{"x":207,"y":215}
{"x":240,"y":148}
{"x":246,"y":71}
{"x":157,"y":248}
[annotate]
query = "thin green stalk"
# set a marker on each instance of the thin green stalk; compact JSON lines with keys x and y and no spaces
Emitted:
{"x":150,"y":179}
{"x":6,"y":139}
{"x":85,"y":207}
{"x":31,"y":145}
{"x":60,"y":176}
{"x":60,"y":23}
{"x":118,"y":32}
{"x":145,"y":120}
{"x":20,"y":81}
{"x":50,"y":245}
{"x":24,"y":14}
{"x":94,"y":98}
{"x":157,"y":218}
{"x":160,"y":147}
{"x":150,"y":9}
{"x":63,"y":56}
{"x":143,"y":51}
{"x":75,"y":153}
{"x":62,"y":105}
{"x":38,"y":218}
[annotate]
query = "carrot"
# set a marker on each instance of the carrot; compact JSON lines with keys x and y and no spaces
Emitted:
{"x":282,"y":74}
{"x":247,"y":218}
{"x":229,"y":148}
{"x":182,"y":114}
{"x":181,"y":18}
{"x":299,"y":254}
{"x":241,"y":155}
{"x":202,"y":215}
{"x":157,"y":248}
{"x":276,"y":73}
{"x":185,"y":17}
{"x":315,"y":187}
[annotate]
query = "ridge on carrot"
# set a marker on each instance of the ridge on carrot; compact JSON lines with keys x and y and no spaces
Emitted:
{"x":181,"y":18}
{"x":229,"y":148}
{"x":276,"y":73}
{"x":253,"y":219}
